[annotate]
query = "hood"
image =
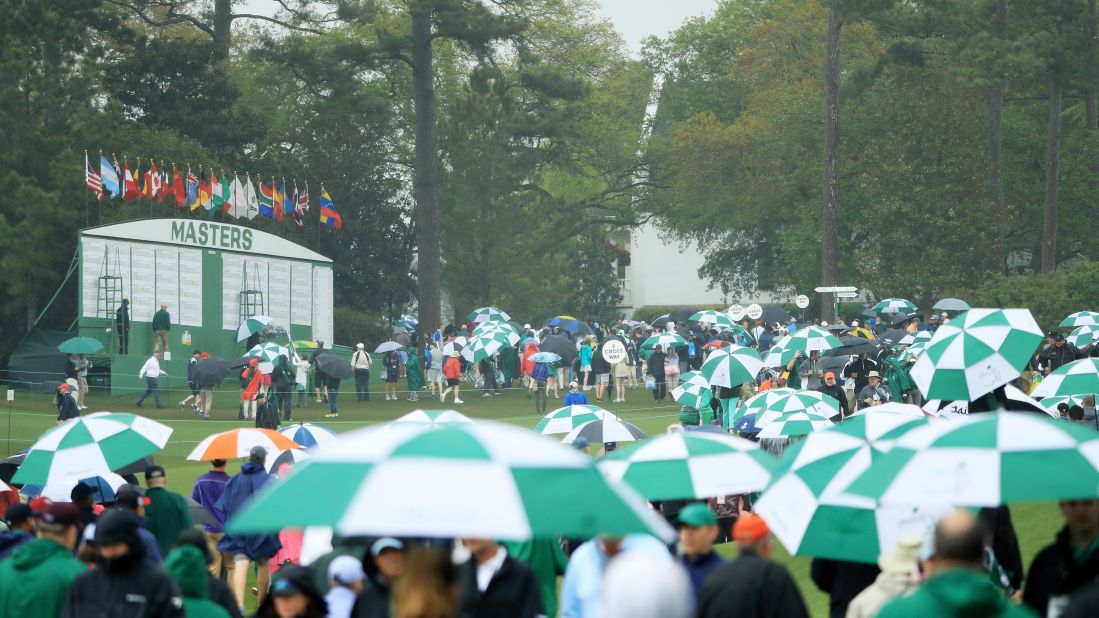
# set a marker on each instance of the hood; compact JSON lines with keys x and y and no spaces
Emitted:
{"x":187,"y":566}
{"x":35,"y":553}
{"x":252,"y":467}
{"x":970,"y":593}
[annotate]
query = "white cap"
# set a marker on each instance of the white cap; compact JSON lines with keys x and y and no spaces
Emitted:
{"x":345,"y":570}
{"x":526,"y":326}
{"x":360,"y":346}
{"x":854,"y":322}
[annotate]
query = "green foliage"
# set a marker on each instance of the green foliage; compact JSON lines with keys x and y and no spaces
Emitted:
{"x":1073,"y":287}
{"x":596,"y":293}
{"x":352,"y":325}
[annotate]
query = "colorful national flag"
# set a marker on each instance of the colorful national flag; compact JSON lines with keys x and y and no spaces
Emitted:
{"x":267,"y":200}
{"x":131,"y":191}
{"x":121,"y":177}
{"x":109,"y":176}
{"x":94,"y":182}
{"x":163,"y":183}
{"x":204,"y":198}
{"x":280,"y":200}
{"x":216,"y":198}
{"x":152,"y":181}
{"x":301,"y":203}
{"x":329,"y":215}
{"x":237,"y":205}
{"x":178,"y":190}
{"x":251,"y":200}
{"x":192,"y":202}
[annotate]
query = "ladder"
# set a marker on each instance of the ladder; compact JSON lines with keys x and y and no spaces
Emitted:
{"x":109,"y":290}
{"x":251,"y":295}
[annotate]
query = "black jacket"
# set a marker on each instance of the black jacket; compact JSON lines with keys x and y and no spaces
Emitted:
{"x":842,"y":580}
{"x":836,"y":392}
{"x":1054,"y":572}
{"x":267,"y":417}
{"x":66,"y":407}
{"x":512,"y":592}
{"x":862,"y":368}
{"x":223,"y":596}
{"x":142,"y":590}
{"x":997,"y":522}
{"x":1083,"y":602}
{"x":751,"y":587}
{"x":656,"y":365}
{"x":373,"y":600}
{"x":1053,"y":357}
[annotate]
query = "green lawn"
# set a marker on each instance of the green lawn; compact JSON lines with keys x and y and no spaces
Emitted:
{"x":32,"y":414}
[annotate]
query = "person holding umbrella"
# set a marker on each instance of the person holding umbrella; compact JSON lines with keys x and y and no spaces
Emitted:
{"x":250,"y":380}
{"x":392,"y":373}
{"x":538,"y":376}
{"x":656,"y":370}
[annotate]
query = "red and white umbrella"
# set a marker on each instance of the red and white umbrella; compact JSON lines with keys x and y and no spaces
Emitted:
{"x":236,"y":443}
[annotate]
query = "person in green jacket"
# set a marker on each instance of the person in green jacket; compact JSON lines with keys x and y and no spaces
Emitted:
{"x":957,"y":583}
{"x":793,"y":368}
{"x":162,"y":324}
{"x":548,"y":561}
{"x":166,"y":512}
{"x":414,"y":374}
{"x":897,"y":377}
{"x":509,"y":364}
{"x":187,"y":566}
{"x":35,"y":579}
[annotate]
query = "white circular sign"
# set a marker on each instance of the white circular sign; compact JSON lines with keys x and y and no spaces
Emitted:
{"x":736,"y":312}
{"x":614,"y":351}
{"x":802,"y":301}
{"x":755,"y":311}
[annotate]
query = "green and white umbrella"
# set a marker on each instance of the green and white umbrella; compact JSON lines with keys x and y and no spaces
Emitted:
{"x":810,"y":339}
{"x":690,"y":465}
{"x":1080,"y":318}
{"x":605,"y":430}
{"x":267,"y":352}
{"x":916,"y":337}
{"x":986,"y":460}
{"x":802,"y":400}
{"x":484,"y":479}
{"x":486,"y":314}
{"x":1080,"y":377}
{"x":806,"y":505}
{"x":793,"y":424}
{"x":665,"y":340}
{"x":251,"y":326}
{"x":1084,"y":335}
{"x":498,"y":330}
{"x":894,"y":305}
{"x":432,"y":417}
{"x":731,"y":366}
{"x":1051,"y":403}
{"x":895,"y":408}
{"x":564,"y":420}
{"x":481,"y":347}
{"x":757,"y":403}
{"x":916,"y":349}
{"x":779,"y":354}
{"x":718,"y":319}
{"x":693,"y":391}
{"x":90,"y":446}
{"x":976,"y":352}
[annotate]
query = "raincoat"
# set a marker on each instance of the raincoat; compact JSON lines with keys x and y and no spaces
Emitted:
{"x":955,"y":593}
{"x":897,"y":378}
{"x":238,"y":491}
{"x":250,"y":377}
{"x":414,"y":374}
{"x":528,"y":365}
{"x":509,"y":363}
{"x":187,"y":566}
{"x":34,"y":580}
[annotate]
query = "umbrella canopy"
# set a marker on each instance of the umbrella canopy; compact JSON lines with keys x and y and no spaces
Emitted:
{"x":310,"y":435}
{"x":662,"y":321}
{"x":806,"y":505}
{"x":605,"y":430}
{"x":335,"y":366}
{"x":916,"y":337}
{"x":836,"y":329}
{"x":104,"y":487}
{"x":237,"y":443}
{"x":893,"y":306}
{"x":665,"y":340}
{"x":986,"y":460}
{"x":731,"y":366}
{"x":404,"y":339}
{"x":951,"y":304}
{"x":80,"y":345}
{"x":498,"y":330}
{"x":756,"y":404}
{"x":976,"y":352}
{"x":561,"y":346}
{"x":794,"y":424}
{"x":480,"y":347}
{"x":834,"y":363}
{"x":811,"y":338}
{"x":267,"y":352}
{"x":90,"y":446}
{"x":251,"y":326}
{"x":485,"y":479}
{"x":1080,"y":377}
{"x":1050,"y":403}
{"x":893,"y":335}
{"x":200,"y":516}
{"x":487,"y":314}
{"x":568,"y":418}
{"x":802,"y":400}
{"x":681,"y":315}
{"x":693,"y":390}
{"x":570,"y":324}
{"x":545,"y":357}
{"x":717,"y":318}
{"x":746,"y":425}
{"x":1080,"y":318}
{"x":388,"y":346}
{"x":893,"y":407}
{"x":289,"y":456}
{"x":714,"y":344}
{"x":1084,"y":335}
{"x":774,"y":313}
{"x":690,"y":465}
{"x":211,"y":371}
{"x":433,"y":417}
{"x":779,"y":354}
{"x":853,"y":346}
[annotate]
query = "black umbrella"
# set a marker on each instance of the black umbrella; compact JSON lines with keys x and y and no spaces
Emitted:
{"x":774,"y":313}
{"x":9,"y":465}
{"x":137,"y":467}
{"x":403,"y":339}
{"x":561,"y":346}
{"x":853,"y":346}
{"x":199,"y":515}
{"x":900,"y":319}
{"x":836,"y":328}
{"x":868,"y":313}
{"x":335,"y":366}
{"x":834,"y":363}
{"x":211,"y":371}
{"x":681,"y":315}
{"x":893,"y":335}
{"x":660,"y":322}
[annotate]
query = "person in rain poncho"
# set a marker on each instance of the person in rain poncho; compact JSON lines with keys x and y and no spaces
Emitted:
{"x":250,"y":380}
{"x":414,"y":375}
{"x":245,"y":549}
{"x":896,"y":377}
{"x":187,"y":566}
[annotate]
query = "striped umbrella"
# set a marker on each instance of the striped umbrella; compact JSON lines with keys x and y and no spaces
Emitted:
{"x":718,"y":319}
{"x":807,"y":507}
{"x":486,"y":314}
{"x":916,"y":337}
{"x":570,"y":324}
{"x":731,"y":366}
{"x":1051,"y":403}
{"x":1080,"y":318}
{"x":810,"y":339}
{"x":986,"y":460}
{"x":802,"y":400}
{"x":976,"y":352}
{"x":480,"y":347}
{"x":894,"y":305}
{"x":310,"y":435}
{"x":104,"y":487}
{"x":90,"y":446}
{"x":605,"y":430}
{"x":1080,"y":377}
{"x":756,"y":404}
{"x":780,"y":353}
{"x":267,"y":352}
{"x":484,"y":479}
{"x":568,"y":418}
{"x":498,"y":330}
{"x":433,"y":417}
{"x":793,"y":424}
{"x":693,"y":391}
{"x":1084,"y":335}
{"x":690,"y":465}
{"x":238,"y":442}
{"x":665,"y":340}
{"x":251,"y":326}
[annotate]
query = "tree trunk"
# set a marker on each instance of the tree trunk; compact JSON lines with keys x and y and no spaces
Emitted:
{"x":1053,"y":163}
{"x":1093,"y":116}
{"x":223,"y":27}
{"x":996,"y":159}
{"x":828,"y":266}
{"x":426,"y":182}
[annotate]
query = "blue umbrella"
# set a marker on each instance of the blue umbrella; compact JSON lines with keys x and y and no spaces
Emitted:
{"x":103,"y":490}
{"x":309,"y":435}
{"x":570,"y":324}
{"x":746,"y":425}
{"x":545,"y":357}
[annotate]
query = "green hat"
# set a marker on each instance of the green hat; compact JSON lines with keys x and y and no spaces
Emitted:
{"x":697,"y":515}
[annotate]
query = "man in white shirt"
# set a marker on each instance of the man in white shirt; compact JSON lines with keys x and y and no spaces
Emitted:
{"x":360,"y":362}
{"x":495,"y":584}
{"x":345,"y":576}
{"x":150,"y":371}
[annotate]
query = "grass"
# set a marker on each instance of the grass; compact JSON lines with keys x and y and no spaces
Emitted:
{"x":32,"y":414}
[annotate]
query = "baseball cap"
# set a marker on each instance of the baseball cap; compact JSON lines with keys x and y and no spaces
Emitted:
{"x":384,"y":543}
{"x":17,"y":514}
{"x":39,"y":503}
{"x":80,"y":492}
{"x":61,"y":513}
{"x":154,"y":472}
{"x":750,"y":528}
{"x":257,"y":452}
{"x":1058,"y":336}
{"x":129,"y":498}
{"x":580,"y":443}
{"x":346,"y":570}
{"x":697,"y":515}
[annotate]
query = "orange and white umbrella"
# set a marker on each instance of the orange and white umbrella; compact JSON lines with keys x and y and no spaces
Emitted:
{"x":237,"y":443}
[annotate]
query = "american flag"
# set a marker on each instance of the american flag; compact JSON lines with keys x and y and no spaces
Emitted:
{"x":95,"y":183}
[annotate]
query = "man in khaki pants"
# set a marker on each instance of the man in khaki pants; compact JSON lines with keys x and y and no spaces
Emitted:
{"x":208,"y":488}
{"x":162,"y":324}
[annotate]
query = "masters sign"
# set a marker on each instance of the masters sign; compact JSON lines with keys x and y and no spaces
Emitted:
{"x":212,"y":235}
{"x":206,"y":235}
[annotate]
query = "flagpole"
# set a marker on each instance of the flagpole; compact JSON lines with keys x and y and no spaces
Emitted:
{"x":87,"y":221}
{"x":99,"y":202}
{"x":149,"y":181}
